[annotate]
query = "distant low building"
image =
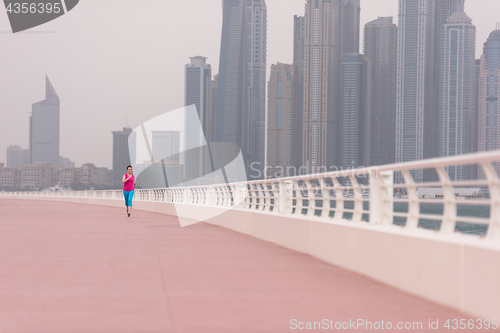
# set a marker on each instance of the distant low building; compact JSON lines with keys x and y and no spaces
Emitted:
{"x":10,"y":177}
{"x":66,"y":177}
{"x":39,"y":175}
{"x":66,"y":162}
{"x":437,"y":193}
{"x":42,"y":175}
{"x":17,"y":157}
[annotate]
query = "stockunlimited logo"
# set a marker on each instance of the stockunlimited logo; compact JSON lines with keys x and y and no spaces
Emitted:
{"x":25,"y":15}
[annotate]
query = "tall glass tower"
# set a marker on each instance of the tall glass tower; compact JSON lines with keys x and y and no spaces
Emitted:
{"x":256,"y":11}
{"x":350,"y":13}
{"x":456,"y":88}
{"x":381,"y":41}
{"x":231,"y":116}
{"x":356,"y":107}
{"x":121,"y":153}
{"x":489,"y":95}
{"x":241,"y":94}
{"x":416,"y":114}
{"x":197,"y":92}
{"x":44,"y":128}
{"x":321,"y":85}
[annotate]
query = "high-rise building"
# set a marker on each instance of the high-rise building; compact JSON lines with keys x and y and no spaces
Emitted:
{"x":350,"y":13}
{"x":472,"y":123}
{"x":121,"y":155}
{"x":299,"y":29}
{"x":299,"y":35}
{"x":380,"y":46}
{"x":456,"y":90}
{"x":210,"y":127}
{"x":166,"y":170}
{"x":416,"y":108}
{"x":489,"y":95}
{"x":321,"y":85}
{"x":166,"y":145}
{"x":197,"y":92}
{"x":257,"y":65}
{"x":284,"y":121}
{"x":230,"y":123}
{"x":44,"y":128}
{"x":356,"y":110}
{"x":132,"y":147}
{"x":17,"y":157}
{"x":444,"y":9}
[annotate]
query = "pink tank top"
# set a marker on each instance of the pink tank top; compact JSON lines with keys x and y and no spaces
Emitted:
{"x":129,"y":184}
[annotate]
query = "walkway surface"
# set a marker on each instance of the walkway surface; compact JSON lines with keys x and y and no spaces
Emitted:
{"x":81,"y":268}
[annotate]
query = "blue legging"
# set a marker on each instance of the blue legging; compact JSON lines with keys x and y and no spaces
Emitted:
{"x":128,"y":197}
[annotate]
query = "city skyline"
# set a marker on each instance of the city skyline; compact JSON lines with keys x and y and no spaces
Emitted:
{"x":91,"y":98}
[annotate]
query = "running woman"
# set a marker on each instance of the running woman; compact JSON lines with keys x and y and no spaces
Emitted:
{"x":129,"y":184}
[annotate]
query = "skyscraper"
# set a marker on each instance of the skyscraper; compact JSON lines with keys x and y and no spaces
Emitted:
{"x":210,"y":127}
{"x":321,"y":85}
{"x":299,"y":35}
{"x":231,"y":116}
{"x":284,"y":121}
{"x":356,"y":109}
{"x":456,"y":90}
{"x":380,"y":46}
{"x":472,"y":123}
{"x":489,"y":95}
{"x":44,"y":128}
{"x":416,"y":109}
{"x":121,"y":156}
{"x":198,"y":93}
{"x":350,"y":12}
{"x":166,"y":144}
{"x":299,"y":26}
{"x":444,"y":9}
{"x":256,"y":12}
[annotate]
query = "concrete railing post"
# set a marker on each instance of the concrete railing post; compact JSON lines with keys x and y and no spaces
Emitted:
{"x":494,"y":186}
{"x":381,"y":197}
{"x":449,"y":222}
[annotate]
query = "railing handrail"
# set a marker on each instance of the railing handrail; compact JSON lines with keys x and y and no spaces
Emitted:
{"x":322,"y":195}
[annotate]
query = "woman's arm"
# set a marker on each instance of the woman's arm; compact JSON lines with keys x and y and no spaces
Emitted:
{"x":124,"y":179}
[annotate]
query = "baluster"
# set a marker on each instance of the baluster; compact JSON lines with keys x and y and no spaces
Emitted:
{"x":449,"y":221}
{"x":381,"y":197}
{"x":339,"y":199}
{"x":494,"y":187}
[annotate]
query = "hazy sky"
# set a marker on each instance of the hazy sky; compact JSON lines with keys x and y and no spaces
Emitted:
{"x":113,"y":60}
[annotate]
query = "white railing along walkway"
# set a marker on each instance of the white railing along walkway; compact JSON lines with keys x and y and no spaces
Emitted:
{"x":357,"y":195}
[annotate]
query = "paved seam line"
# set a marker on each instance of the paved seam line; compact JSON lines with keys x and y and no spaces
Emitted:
{"x":165,"y":293}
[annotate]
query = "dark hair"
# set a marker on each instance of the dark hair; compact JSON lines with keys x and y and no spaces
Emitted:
{"x":129,"y":167}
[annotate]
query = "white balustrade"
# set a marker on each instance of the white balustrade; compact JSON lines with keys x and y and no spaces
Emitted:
{"x":340,"y":195}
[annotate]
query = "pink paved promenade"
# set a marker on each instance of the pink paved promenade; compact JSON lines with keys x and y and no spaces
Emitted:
{"x":73,"y":268}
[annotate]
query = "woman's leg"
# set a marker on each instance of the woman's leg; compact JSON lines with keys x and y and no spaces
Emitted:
{"x":130,"y":197}
{"x":126,"y":196}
